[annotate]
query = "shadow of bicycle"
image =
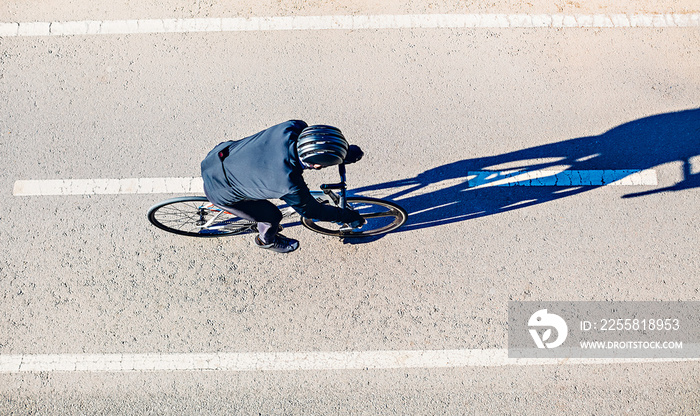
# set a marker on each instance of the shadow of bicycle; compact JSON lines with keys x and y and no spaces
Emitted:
{"x":443,"y":195}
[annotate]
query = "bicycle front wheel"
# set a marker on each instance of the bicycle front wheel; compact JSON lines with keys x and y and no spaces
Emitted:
{"x":381,"y":216}
{"x":195,"y":216}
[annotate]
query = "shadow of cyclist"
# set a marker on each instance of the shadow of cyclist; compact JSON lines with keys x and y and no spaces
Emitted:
{"x":637,"y":145}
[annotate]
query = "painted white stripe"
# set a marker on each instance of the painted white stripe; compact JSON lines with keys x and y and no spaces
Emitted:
{"x":476,"y":179}
{"x":108,"y":186}
{"x":291,"y":361}
{"x":347,"y":22}
{"x":480,"y":179}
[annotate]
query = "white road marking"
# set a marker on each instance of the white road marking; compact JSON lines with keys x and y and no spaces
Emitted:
{"x":478,"y":179}
{"x":108,"y":186}
{"x":346,"y":22}
{"x":292,"y":361}
{"x":563,"y":177}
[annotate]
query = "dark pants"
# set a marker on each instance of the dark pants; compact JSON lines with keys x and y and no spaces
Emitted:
{"x":265,"y":213}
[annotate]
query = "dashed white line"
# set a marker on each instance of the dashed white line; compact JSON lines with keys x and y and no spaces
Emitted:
{"x":478,"y":179}
{"x":292,"y":361}
{"x":347,"y":22}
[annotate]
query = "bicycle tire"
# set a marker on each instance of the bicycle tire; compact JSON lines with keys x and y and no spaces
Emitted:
{"x":185,"y":216}
{"x":382,"y":217}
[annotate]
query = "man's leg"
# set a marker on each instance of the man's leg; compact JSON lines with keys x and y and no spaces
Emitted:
{"x":265,"y":213}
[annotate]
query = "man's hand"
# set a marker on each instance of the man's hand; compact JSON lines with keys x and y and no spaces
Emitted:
{"x":358,"y":223}
{"x":353,"y":225}
{"x":355,"y":220}
{"x":354,"y":154}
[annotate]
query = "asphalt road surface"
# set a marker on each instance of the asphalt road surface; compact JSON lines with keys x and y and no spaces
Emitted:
{"x":88,"y":275}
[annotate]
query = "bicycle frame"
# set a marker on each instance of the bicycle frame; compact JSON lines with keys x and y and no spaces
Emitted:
{"x":325,"y":195}
{"x":195,"y":216}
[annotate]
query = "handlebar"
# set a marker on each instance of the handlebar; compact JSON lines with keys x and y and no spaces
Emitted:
{"x":342,"y":200}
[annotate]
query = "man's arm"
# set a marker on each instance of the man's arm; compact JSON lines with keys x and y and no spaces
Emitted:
{"x":306,"y":205}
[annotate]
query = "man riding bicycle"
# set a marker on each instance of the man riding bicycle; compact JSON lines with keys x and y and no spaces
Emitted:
{"x":241,"y":176}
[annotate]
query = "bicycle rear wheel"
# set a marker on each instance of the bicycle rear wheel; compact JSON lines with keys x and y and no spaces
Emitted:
{"x":381,"y":216}
{"x":195,"y":216}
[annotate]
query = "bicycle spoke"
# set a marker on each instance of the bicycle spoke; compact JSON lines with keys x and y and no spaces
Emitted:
{"x":187,"y":215}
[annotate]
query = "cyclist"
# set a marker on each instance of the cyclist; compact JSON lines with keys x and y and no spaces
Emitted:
{"x":240,"y":176}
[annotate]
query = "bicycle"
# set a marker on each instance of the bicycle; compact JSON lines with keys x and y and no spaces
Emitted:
{"x":195,"y":216}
